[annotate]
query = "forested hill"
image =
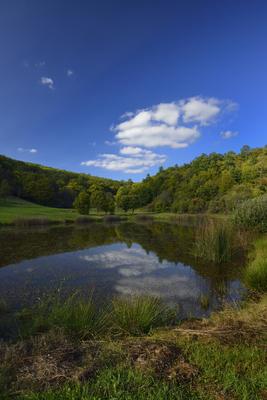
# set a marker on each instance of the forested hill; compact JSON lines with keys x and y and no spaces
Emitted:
{"x":45,"y":185}
{"x":214,"y":183}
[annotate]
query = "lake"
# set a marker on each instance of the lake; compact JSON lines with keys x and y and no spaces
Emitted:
{"x":152,"y":258}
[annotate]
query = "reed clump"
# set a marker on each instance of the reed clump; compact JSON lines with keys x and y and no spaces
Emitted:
{"x":137,"y":315}
{"x":214,"y":242}
{"x":78,"y":316}
{"x":75,"y":316}
{"x":256,"y":272}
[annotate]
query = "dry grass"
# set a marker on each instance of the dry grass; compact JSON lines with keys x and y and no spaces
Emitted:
{"x":247,"y":324}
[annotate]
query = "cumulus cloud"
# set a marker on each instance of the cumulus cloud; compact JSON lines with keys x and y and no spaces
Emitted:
{"x":47,"y":82}
{"x":228,"y":134}
{"x":199,"y":110}
{"x":22,"y":150}
{"x":175,"y":125}
{"x":70,"y":72}
{"x":132,"y":160}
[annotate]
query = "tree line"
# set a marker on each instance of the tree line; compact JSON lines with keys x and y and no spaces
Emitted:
{"x":213,"y":183}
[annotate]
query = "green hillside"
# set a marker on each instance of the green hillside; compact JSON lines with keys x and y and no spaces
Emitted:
{"x":13,"y":208}
{"x":214,"y":183}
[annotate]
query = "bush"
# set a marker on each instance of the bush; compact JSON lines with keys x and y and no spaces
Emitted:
{"x":252,"y":214}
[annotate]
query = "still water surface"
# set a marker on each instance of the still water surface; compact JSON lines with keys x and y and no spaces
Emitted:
{"x":114,"y":259}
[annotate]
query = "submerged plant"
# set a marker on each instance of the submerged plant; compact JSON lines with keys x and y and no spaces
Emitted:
{"x":139,"y":314}
{"x":214,"y":242}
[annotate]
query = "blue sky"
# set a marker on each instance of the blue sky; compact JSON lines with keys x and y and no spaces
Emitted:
{"x":117,"y":88}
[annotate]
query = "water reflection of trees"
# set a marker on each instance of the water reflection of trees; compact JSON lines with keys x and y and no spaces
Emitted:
{"x":170,"y":242}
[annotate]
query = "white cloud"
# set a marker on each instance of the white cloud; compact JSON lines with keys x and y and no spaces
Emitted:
{"x":137,"y":161}
{"x":47,"y":82}
{"x":175,"y":125}
{"x":22,"y":150}
{"x":228,"y":134}
{"x":170,"y":124}
{"x":70,"y":72}
{"x":200,"y":110}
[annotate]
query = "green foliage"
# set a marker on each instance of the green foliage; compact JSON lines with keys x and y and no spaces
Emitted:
{"x":214,"y":242}
{"x":47,"y":186}
{"x":210,"y":182}
{"x":256,"y":271}
{"x":252,"y":214}
{"x":4,"y":188}
{"x":82,"y":203}
{"x":139,"y":314}
{"x":217,"y":183}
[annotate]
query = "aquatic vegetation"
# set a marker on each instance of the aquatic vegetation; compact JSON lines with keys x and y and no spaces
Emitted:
{"x":252,"y":214}
{"x":139,"y":314}
{"x":214,"y":242}
{"x":256,"y":272}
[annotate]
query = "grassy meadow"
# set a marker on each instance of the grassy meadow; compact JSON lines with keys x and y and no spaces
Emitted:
{"x":13,"y":208}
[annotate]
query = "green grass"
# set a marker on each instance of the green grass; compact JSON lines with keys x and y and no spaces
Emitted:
{"x":120,"y":384}
{"x":256,"y":271}
{"x":14,"y":208}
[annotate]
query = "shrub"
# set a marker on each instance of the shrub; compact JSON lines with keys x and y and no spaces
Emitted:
{"x":139,"y":314}
{"x":252,"y":214}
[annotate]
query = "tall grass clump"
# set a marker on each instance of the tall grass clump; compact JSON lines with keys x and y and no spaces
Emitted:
{"x":137,"y":315}
{"x":252,"y":214}
{"x":256,"y":271}
{"x":214,"y":242}
{"x":76,"y":316}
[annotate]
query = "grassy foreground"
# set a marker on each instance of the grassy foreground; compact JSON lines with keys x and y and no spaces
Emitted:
{"x":73,"y":352}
